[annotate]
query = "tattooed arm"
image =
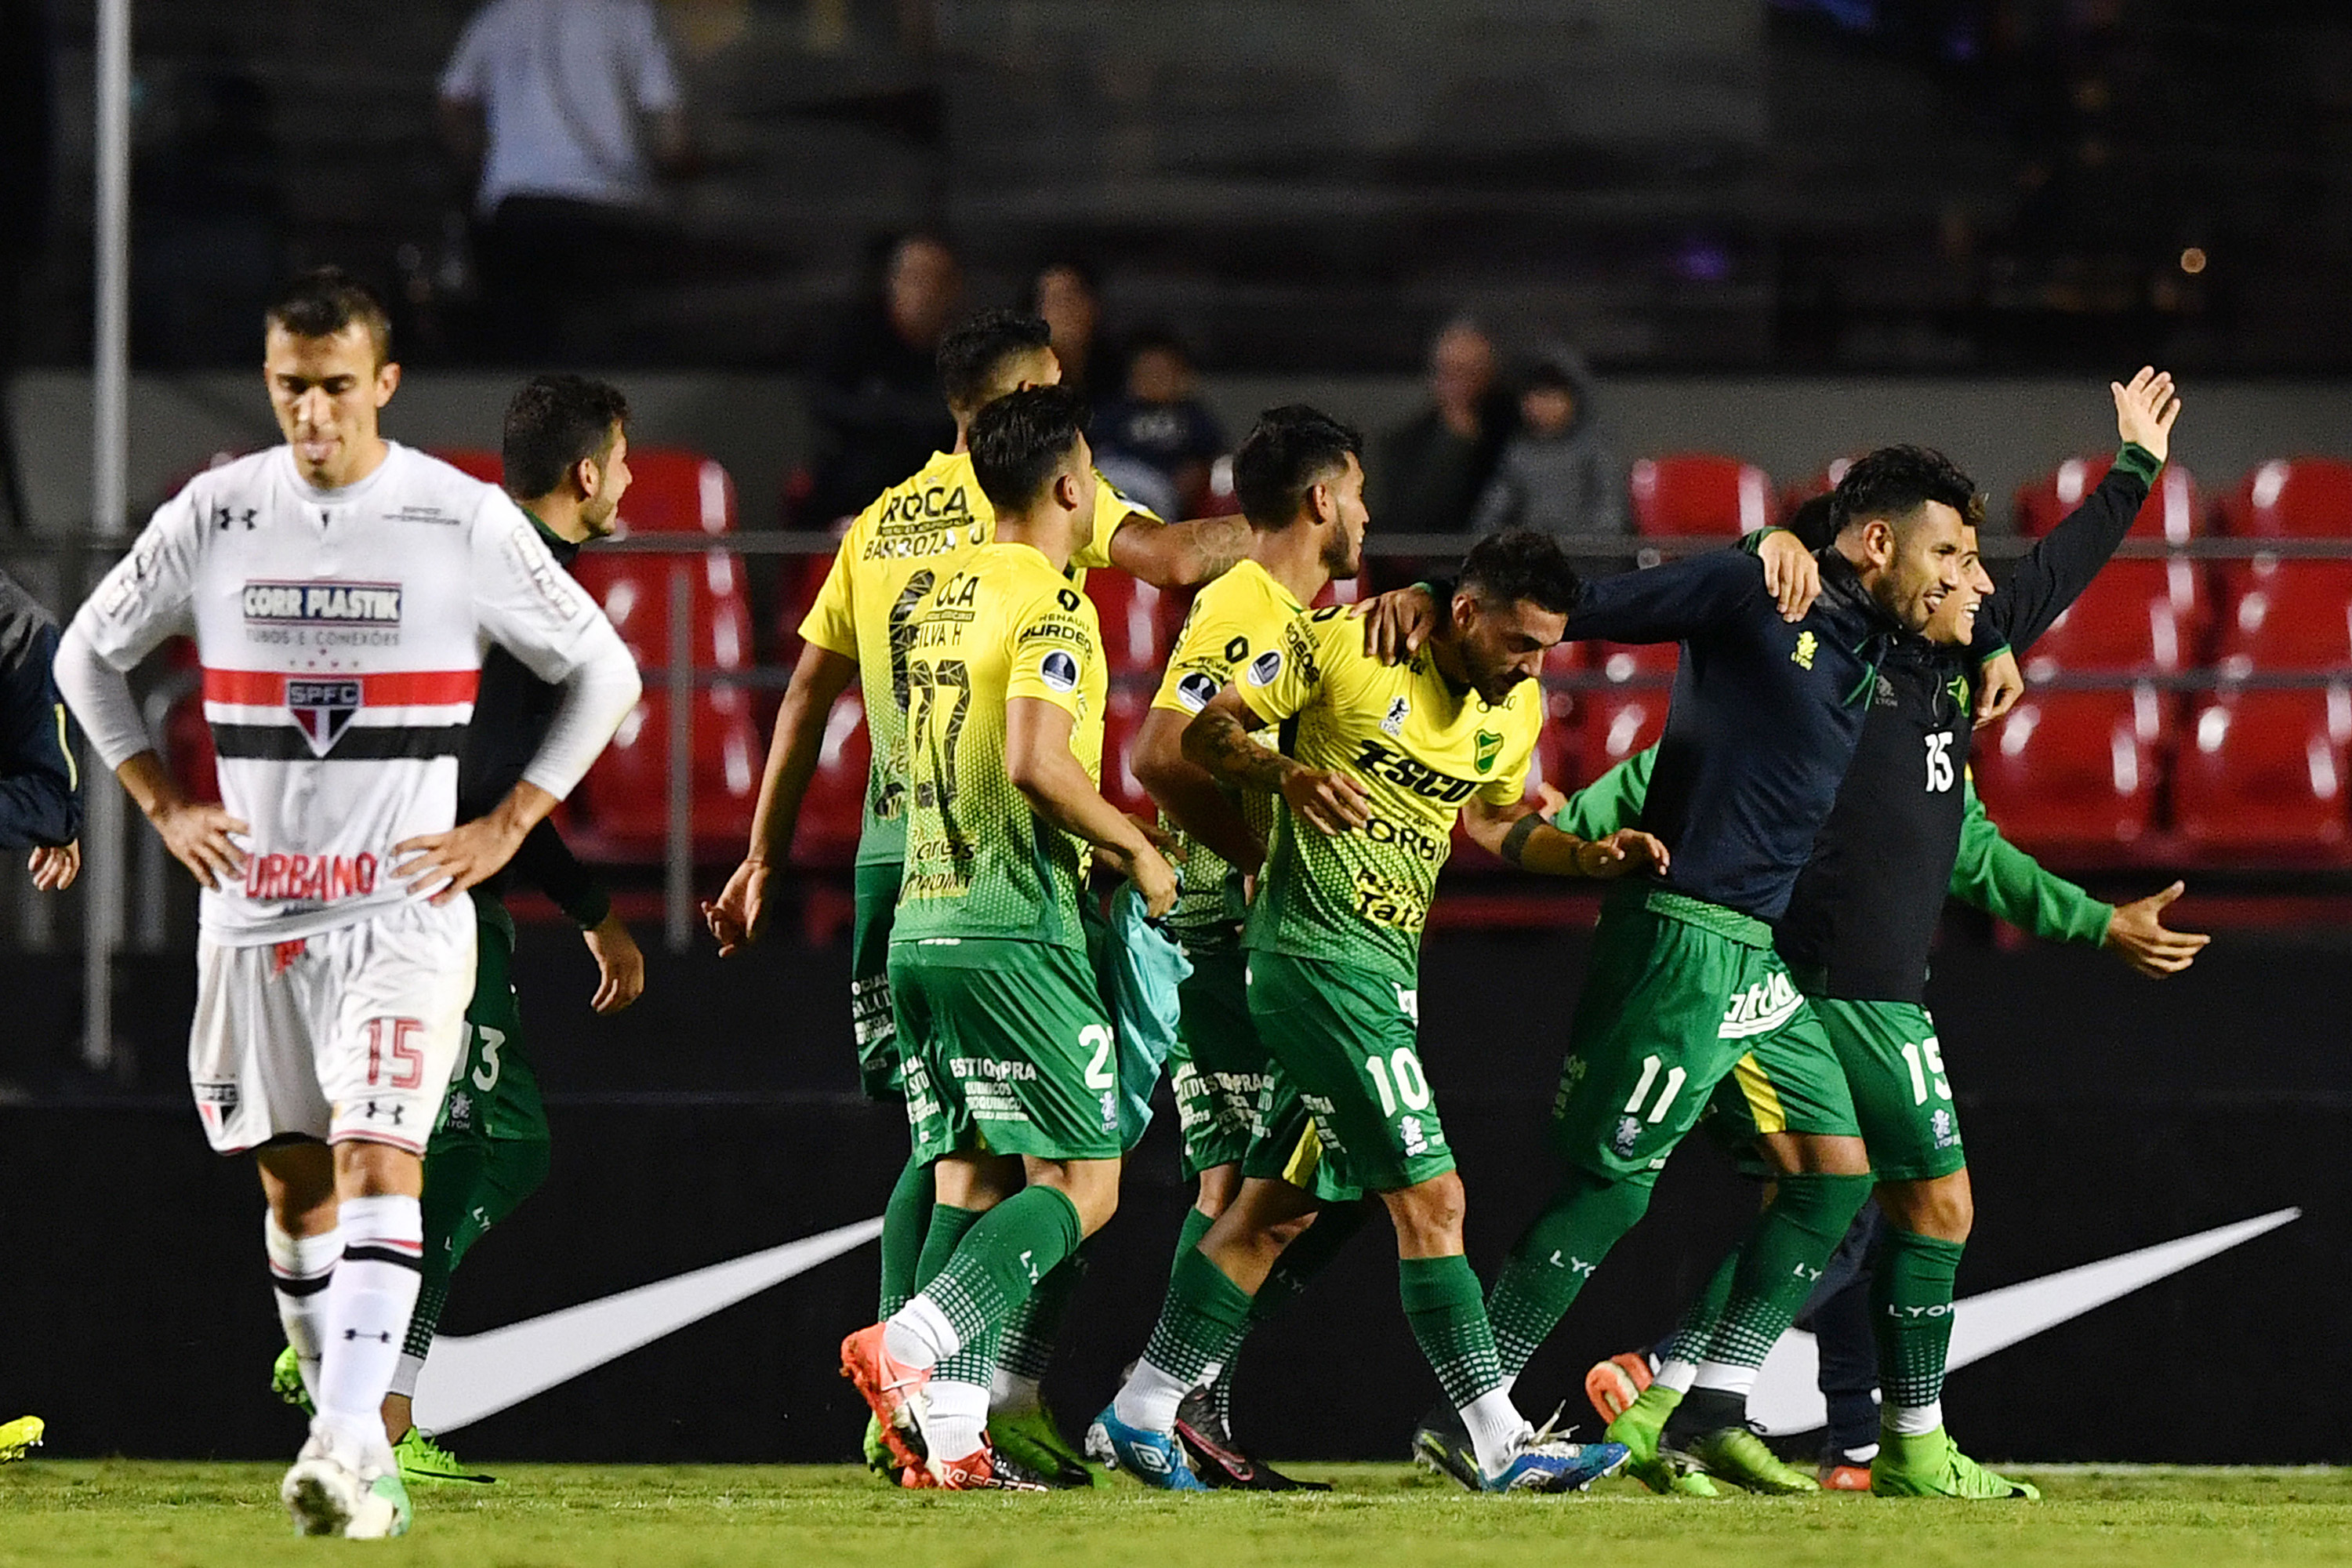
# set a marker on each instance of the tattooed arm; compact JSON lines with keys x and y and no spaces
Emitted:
{"x":1218,"y":741}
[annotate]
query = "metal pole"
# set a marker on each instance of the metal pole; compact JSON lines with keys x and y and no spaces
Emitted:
{"x":103,"y":846}
{"x":678,"y":910}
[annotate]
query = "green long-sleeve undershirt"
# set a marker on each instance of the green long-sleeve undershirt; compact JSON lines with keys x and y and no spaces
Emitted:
{"x":1992,"y":874}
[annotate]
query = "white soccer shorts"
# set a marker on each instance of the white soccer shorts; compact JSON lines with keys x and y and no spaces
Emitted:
{"x":351,"y":1033}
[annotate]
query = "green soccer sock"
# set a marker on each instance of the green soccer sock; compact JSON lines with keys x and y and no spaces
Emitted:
{"x":1556,"y":1257}
{"x":1448,"y":1314}
{"x":1687,"y":1342}
{"x":1296,"y":1269}
{"x":1026,"y":1352}
{"x":1201,"y":1324}
{"x":1188,"y":1237}
{"x":905,"y":1220}
{"x":1778,"y":1264}
{"x":1911,"y":1292}
{"x":998,"y":1261}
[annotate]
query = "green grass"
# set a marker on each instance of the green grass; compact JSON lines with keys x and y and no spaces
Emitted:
{"x":652,"y":1517}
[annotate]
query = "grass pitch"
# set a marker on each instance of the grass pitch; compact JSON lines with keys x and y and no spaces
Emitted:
{"x":588,"y":1517}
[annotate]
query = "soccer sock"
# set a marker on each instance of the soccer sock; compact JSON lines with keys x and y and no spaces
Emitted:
{"x":1188,"y":1236}
{"x":300,"y":1268}
{"x":1911,"y":1306}
{"x":905,"y":1220}
{"x":1447,"y":1311}
{"x":1783,"y":1256}
{"x":1679,"y":1351}
{"x":368,"y":1304}
{"x":1026,"y":1352}
{"x":1200,"y":1325}
{"x":1296,"y":1269}
{"x":918,"y":1329}
{"x":995,"y":1266}
{"x":957,"y":1413}
{"x":1556,"y":1257}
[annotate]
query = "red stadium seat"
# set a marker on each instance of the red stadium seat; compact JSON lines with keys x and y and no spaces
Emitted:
{"x":1135,"y":630}
{"x":2169,"y":513}
{"x":833,"y":811}
{"x":2263,"y":772}
{"x":2299,"y":498}
{"x":2297,"y":617}
{"x":2125,"y":623}
{"x":2071,"y":769}
{"x":1122,"y":719}
{"x":1814,"y":485}
{"x":673,"y":491}
{"x":1630,"y":713}
{"x":1700,"y":493}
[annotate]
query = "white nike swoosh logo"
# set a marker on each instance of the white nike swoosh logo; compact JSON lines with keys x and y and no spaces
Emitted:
{"x":469,"y":1376}
{"x":1788,"y":1396}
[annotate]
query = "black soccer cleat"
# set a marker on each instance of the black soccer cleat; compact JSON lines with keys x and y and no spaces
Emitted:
{"x":1219,"y":1461}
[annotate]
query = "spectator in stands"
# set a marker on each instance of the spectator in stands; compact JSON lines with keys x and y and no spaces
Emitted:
{"x":571,"y":107}
{"x":874,"y":392}
{"x":1556,"y":473}
{"x":1068,"y":295}
{"x":1157,"y":439}
{"x":1427,"y":474}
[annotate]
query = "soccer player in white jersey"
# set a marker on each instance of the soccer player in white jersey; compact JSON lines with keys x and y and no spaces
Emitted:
{"x":341,"y":590}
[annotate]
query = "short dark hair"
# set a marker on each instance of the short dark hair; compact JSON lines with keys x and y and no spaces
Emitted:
{"x":1897,"y":481}
{"x":1522,"y":564}
{"x":324,"y":302}
{"x":1289,"y":450}
{"x":553,"y":423}
{"x":1020,"y":441}
{"x":972,"y":353}
{"x":1814,"y":520}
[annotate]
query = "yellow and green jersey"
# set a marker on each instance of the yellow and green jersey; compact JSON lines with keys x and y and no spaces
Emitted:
{"x":980,"y":861}
{"x":914,"y":536}
{"x":1233,"y":621}
{"x":1421,"y":746}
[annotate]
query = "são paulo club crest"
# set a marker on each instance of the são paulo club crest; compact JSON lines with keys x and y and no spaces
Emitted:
{"x":324,"y":710}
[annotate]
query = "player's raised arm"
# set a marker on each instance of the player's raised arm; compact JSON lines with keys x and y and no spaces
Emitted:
{"x":1178,"y":554}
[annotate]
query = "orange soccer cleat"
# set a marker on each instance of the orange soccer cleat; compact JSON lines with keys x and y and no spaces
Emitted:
{"x":1615,"y":1384}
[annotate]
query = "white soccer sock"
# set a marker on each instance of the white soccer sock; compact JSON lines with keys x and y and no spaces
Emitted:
{"x":1678,"y":1375}
{"x":368,"y":1304}
{"x":1148,"y":1399}
{"x":1911,"y":1421}
{"x":300,"y":1269}
{"x":404,"y":1376}
{"x":919,"y":1335}
{"x":1724,"y":1376}
{"x":1495,"y":1428}
{"x":1010,"y":1394}
{"x":957,"y":1418}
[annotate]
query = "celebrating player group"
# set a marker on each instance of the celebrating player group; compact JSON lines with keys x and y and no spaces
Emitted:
{"x":402,"y":681}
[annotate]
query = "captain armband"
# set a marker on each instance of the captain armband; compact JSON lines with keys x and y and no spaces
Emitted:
{"x":1515,"y":842}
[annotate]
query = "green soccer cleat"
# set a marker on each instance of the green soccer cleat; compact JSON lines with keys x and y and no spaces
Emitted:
{"x":286,"y":1382}
{"x":1737,"y":1456}
{"x":423,"y":1458}
{"x":878,"y":1457}
{"x":20,"y":1437}
{"x":1638,"y":1428}
{"x":1931,"y":1465}
{"x":1032,"y":1440}
{"x":370,"y":1525}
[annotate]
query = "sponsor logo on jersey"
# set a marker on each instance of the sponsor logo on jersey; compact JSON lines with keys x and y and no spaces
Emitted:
{"x":1195,"y":691}
{"x":1882,"y":695}
{"x":1393,"y":725}
{"x":323,"y":709}
{"x":415,"y":513}
{"x":1059,"y":670}
{"x":309,"y":878}
{"x":1410,"y":772}
{"x":1761,"y":1008}
{"x":1265,"y":667}
{"x":1490,"y":747}
{"x":1807,"y":645}
{"x":331,"y":604}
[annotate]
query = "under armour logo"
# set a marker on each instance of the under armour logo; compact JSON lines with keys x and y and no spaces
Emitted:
{"x":225,"y":515}
{"x":382,"y":1339}
{"x":391,"y":1113}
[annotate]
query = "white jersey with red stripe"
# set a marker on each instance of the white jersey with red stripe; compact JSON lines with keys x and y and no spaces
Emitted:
{"x":341,"y":634}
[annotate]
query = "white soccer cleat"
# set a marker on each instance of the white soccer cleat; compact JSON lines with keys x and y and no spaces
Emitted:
{"x":334,"y":1491}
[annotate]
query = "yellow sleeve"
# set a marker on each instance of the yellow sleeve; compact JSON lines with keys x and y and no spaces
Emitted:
{"x":1217,"y":641}
{"x":831,"y":621}
{"x":1113,"y":508}
{"x":1282,"y":679}
{"x":1055,"y":645}
{"x":1509,"y":784}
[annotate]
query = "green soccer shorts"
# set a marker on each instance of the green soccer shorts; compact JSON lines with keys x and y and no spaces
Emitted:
{"x":1342,"y":1043}
{"x":1012,"y":1051}
{"x":1218,"y":1069}
{"x":490,"y":1149}
{"x":1683,"y":996}
{"x":1902,"y":1098}
{"x":874,"y":903}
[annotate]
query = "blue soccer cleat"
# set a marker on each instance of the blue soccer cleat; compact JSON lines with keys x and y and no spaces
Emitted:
{"x":1543,"y":1463}
{"x":1155,"y":1458}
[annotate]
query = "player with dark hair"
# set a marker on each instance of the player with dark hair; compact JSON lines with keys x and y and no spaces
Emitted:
{"x":341,"y":590}
{"x":897,"y":551}
{"x":1299,"y":478}
{"x":1382,"y":761}
{"x":1008,"y":1076}
{"x":564,"y":448}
